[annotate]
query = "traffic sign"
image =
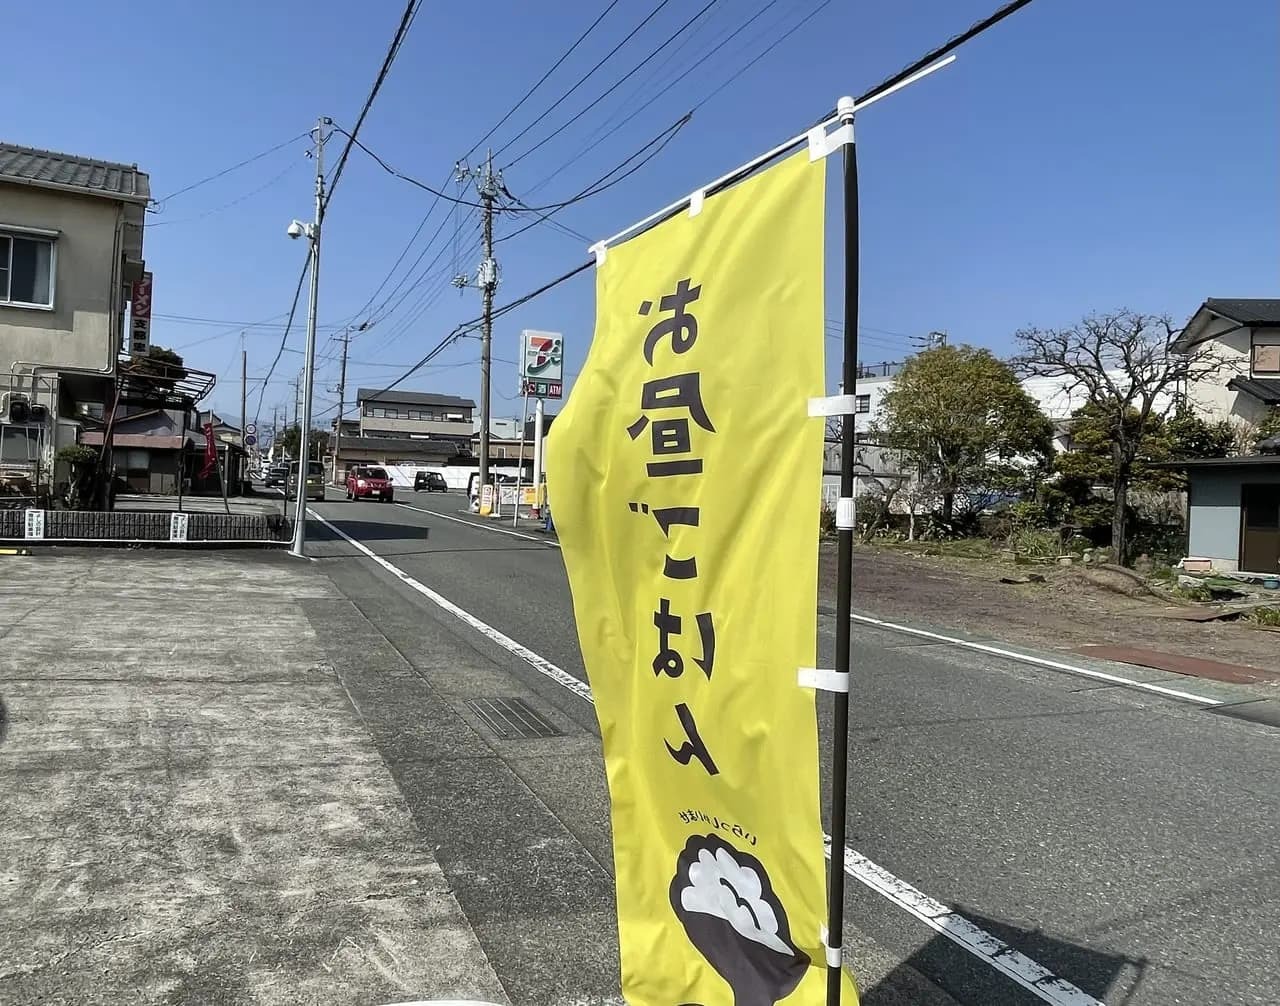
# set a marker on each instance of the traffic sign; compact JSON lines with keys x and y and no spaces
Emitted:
{"x":251,"y":428}
{"x":250,"y":440}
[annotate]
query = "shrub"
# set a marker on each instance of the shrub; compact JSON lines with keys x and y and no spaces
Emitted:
{"x":1037,"y":543}
{"x":1266,"y":616}
{"x":77,"y":454}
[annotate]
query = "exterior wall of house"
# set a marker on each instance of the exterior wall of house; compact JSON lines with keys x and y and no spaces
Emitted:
{"x":83,"y":328}
{"x":1227,"y":350}
{"x":378,"y":426}
{"x":1214,"y":512}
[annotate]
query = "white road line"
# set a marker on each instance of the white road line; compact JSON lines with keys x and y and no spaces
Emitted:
{"x":540,"y":664}
{"x":997,"y":651}
{"x":1013,"y":964}
{"x":1057,"y":665}
{"x":482,"y":527}
{"x":993,"y":951}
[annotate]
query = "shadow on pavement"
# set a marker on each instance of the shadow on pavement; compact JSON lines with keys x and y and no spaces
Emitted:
{"x":4,"y":721}
{"x":369,"y":530}
{"x":1111,"y":978}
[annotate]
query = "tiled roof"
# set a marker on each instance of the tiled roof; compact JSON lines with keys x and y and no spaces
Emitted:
{"x":49,"y":169}
{"x":1254,"y":312}
{"x":414,"y":398}
{"x":1264,"y":389}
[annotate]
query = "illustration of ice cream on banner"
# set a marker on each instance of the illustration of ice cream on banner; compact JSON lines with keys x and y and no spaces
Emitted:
{"x":731,"y":913}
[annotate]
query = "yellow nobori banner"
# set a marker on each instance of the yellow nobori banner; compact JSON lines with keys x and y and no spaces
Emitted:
{"x":684,"y":474}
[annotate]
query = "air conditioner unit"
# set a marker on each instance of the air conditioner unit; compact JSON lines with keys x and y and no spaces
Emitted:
{"x":19,"y":409}
{"x":38,"y":413}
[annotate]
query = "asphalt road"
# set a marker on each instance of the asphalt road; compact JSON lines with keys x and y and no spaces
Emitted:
{"x":1127,"y":843}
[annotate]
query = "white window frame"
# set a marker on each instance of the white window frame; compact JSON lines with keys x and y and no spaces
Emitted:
{"x":31,"y":233}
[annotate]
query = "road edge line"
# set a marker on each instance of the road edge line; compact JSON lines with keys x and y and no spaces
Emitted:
{"x":967,"y":935}
{"x":538,"y":663}
{"x":1027,"y":658}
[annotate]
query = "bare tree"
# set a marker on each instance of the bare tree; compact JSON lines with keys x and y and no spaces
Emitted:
{"x":1122,"y":364}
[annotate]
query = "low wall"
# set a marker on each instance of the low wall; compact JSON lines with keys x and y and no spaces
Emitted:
{"x":144,"y":527}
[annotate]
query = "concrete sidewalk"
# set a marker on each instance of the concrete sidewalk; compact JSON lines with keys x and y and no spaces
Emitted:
{"x":191,"y":809}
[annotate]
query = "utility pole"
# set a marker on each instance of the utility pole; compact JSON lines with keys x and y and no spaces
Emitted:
{"x":342,"y":390}
{"x":488,"y":184}
{"x":296,"y":384}
{"x":309,"y":357}
{"x":244,"y":382}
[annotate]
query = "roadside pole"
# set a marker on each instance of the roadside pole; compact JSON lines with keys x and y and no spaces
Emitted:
{"x":309,"y":358}
{"x":844,"y":562}
{"x":342,"y":390}
{"x":524,"y":421}
{"x":537,"y":454}
{"x":488,"y":278}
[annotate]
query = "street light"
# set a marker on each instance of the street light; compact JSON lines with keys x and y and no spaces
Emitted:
{"x":311,"y":232}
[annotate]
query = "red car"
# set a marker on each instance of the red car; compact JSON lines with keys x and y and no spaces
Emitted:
{"x":369,"y":482}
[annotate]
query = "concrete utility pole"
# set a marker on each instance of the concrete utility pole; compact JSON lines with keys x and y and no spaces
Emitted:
{"x":296,"y":384}
{"x":244,"y":382}
{"x":309,"y":357}
{"x":488,"y":184}
{"x":342,"y":390}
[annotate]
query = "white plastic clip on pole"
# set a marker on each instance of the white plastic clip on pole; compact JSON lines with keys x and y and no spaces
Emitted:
{"x":834,"y":954}
{"x":846,"y":510}
{"x":835,"y":405}
{"x":823,"y":679}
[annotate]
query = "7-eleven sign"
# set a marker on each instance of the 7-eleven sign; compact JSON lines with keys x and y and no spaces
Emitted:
{"x":541,"y":357}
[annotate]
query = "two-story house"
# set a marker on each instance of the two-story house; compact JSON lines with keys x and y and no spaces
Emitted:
{"x":416,"y":414}
{"x":412,"y":428}
{"x":1235,"y":348}
{"x":70,"y":250}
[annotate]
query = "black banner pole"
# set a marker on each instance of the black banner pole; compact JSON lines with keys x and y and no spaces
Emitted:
{"x":844,"y":582}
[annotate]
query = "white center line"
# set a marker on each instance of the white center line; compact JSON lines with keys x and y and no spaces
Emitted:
{"x":1017,"y":967}
{"x":1057,"y":665}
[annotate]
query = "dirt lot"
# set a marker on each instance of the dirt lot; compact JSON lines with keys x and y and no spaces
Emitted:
{"x":1065,"y":612}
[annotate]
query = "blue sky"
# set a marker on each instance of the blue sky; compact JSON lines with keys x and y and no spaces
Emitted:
{"x":1085,"y":154}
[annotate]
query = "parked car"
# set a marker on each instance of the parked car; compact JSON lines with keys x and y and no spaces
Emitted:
{"x":315,"y":481}
{"x":276,"y":476}
{"x":432,"y":482}
{"x":369,"y":482}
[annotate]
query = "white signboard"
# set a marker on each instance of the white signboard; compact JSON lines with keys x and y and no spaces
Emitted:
{"x":178,"y":526}
{"x":541,"y":363}
{"x":33,"y":525}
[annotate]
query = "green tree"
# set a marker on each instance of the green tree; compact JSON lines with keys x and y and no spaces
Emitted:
{"x":163,"y":366}
{"x":961,"y":418}
{"x":317,"y":443}
{"x":1091,"y":461}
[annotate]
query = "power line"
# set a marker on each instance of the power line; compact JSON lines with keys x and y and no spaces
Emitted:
{"x":606,"y":127}
{"x":953,"y":43}
{"x":284,"y":336}
{"x":431,"y":209}
{"x":583,"y":79}
{"x":403,"y":177}
{"x":225,"y":206}
{"x":776,"y":42}
{"x":542,"y":80}
{"x":601,"y":184}
{"x":613,"y":87}
{"x":393,"y":50}
{"x":227,"y":171}
{"x":474,"y":323}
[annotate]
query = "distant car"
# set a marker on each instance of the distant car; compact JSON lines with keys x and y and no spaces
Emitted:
{"x":432,"y":482}
{"x":276,"y":476}
{"x":315,"y":481}
{"x":369,"y":482}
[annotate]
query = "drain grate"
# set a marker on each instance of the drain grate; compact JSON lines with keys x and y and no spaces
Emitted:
{"x":512,"y":717}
